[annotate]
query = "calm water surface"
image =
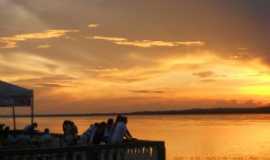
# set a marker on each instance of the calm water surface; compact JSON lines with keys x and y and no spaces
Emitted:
{"x":211,"y":137}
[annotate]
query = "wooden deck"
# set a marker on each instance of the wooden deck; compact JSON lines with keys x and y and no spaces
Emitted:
{"x":137,"y":150}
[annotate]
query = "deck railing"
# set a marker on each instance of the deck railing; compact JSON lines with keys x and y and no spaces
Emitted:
{"x":137,"y":150}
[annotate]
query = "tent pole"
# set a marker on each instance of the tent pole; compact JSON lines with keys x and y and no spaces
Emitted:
{"x":14,"y":118}
{"x":32,"y":110}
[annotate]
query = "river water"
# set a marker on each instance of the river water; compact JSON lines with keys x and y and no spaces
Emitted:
{"x":190,"y":137}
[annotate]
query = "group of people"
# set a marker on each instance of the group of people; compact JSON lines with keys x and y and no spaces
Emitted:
{"x":28,"y":136}
{"x":110,"y":132}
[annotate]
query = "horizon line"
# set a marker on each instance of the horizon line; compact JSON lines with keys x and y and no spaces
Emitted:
{"x":217,"y":110}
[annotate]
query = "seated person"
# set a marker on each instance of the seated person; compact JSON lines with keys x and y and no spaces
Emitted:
{"x":8,"y":138}
{"x":91,"y":131}
{"x":23,"y":139}
{"x":11,"y":139}
{"x":70,"y":132}
{"x":30,"y":129}
{"x":98,"y":137}
{"x":1,"y":133}
{"x":2,"y":127}
{"x":108,"y":131}
{"x":46,"y":138}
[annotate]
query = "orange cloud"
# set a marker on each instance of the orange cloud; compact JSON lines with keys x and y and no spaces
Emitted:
{"x":93,"y":25}
{"x":43,"y":46}
{"x":112,"y":39}
{"x":149,"y":43}
{"x":11,"y":42}
{"x":160,"y":84}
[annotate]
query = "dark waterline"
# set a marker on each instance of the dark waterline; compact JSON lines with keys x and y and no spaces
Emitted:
{"x":195,"y":111}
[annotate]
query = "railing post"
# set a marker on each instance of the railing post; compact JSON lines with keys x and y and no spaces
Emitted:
{"x":161,"y":151}
{"x":91,"y":154}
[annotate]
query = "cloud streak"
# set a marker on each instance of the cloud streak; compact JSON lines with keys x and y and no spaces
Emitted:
{"x":147,"y":91}
{"x":205,"y":74}
{"x":124,"y":75}
{"x":43,"y":46}
{"x":11,"y":41}
{"x":93,"y":25}
{"x":149,"y":43}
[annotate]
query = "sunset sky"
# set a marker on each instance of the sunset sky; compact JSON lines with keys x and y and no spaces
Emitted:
{"x":118,"y":55}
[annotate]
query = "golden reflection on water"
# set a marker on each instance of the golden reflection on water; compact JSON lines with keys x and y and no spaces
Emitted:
{"x":222,"y":137}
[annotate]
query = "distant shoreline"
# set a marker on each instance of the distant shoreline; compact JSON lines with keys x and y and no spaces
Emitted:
{"x":195,"y":111}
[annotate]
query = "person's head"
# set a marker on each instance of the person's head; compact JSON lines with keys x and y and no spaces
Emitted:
{"x":7,"y":129}
{"x":103,"y":123}
{"x":102,"y":126}
{"x":125,"y":120}
{"x":65,"y":122}
{"x":72,"y":123}
{"x":110,"y":122}
{"x":35,"y":125}
{"x":118,"y":118}
{"x":46,"y":130}
{"x":2,"y":127}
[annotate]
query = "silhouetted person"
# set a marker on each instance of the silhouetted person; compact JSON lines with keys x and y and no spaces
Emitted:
{"x":46,"y":138}
{"x":90,"y":133}
{"x":1,"y":132}
{"x":98,"y":137}
{"x":118,"y":118}
{"x":70,"y":132}
{"x":30,"y":129}
{"x":6,"y":132}
{"x":108,"y":131}
{"x":120,"y":131}
{"x":6,"y":136}
{"x":10,"y":136}
{"x":23,"y":139}
{"x":2,"y":127}
{"x":127,"y":135}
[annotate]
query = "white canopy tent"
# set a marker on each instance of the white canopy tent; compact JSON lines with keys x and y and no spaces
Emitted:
{"x":15,"y":96}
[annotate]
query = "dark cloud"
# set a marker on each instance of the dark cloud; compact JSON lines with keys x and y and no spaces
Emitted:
{"x":205,"y":74}
{"x":208,"y":80}
{"x":147,"y":91}
{"x":52,"y":85}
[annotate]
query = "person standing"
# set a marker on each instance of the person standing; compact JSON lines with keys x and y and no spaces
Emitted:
{"x":121,"y":131}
